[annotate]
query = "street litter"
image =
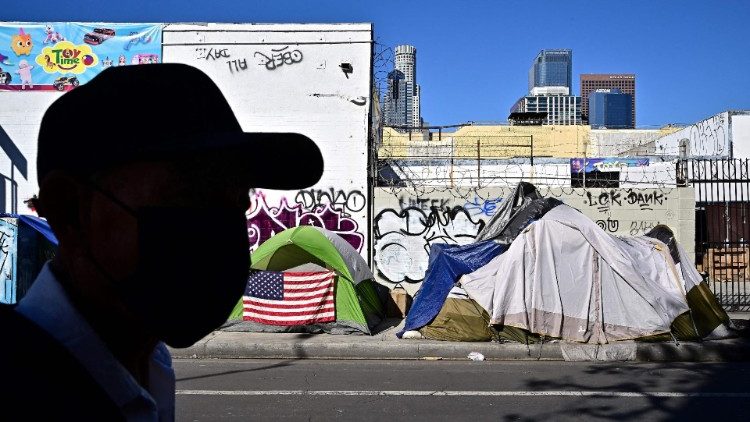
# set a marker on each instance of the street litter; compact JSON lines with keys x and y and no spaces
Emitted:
{"x":476,"y":356}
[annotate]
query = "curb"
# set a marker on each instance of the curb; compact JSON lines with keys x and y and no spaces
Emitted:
{"x":244,"y":346}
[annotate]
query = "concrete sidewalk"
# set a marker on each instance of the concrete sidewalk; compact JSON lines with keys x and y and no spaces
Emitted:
{"x":385,"y":345}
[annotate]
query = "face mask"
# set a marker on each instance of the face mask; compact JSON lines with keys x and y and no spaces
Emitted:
{"x":192,"y":269}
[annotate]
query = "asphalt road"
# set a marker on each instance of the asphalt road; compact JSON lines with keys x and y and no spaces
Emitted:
{"x":244,"y":390}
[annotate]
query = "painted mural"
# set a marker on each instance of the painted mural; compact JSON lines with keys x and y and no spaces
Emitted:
{"x":59,"y":56}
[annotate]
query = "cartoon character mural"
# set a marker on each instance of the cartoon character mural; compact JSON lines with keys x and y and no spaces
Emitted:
{"x":52,"y":35}
{"x":24,"y":70}
{"x":21,"y":43}
{"x":66,"y":49}
{"x":5,"y":77}
{"x":5,"y":60}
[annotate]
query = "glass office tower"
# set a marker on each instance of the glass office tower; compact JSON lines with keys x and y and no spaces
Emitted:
{"x":610,"y":109}
{"x":552,"y":68}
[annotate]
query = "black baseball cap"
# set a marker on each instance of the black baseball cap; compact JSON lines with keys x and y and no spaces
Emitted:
{"x":159,"y":111}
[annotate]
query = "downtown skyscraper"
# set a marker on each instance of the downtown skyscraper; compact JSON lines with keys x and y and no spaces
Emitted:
{"x":401,"y":102}
{"x":552,"y":68}
{"x":590,"y":82}
{"x":549,"y":95}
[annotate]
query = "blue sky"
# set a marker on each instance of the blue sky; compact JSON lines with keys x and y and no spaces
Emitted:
{"x":691,"y":57}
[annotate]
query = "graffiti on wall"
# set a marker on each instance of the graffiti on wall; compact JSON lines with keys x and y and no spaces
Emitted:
{"x":237,"y":65}
{"x":348,"y":202}
{"x":264,"y":220}
{"x":210,"y":53}
{"x":485,"y":207}
{"x":8,"y":245}
{"x":708,"y":137}
{"x":279,"y":57}
{"x":402,"y":238}
{"x":607,"y":199}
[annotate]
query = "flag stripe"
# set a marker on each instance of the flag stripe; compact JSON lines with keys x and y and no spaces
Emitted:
{"x":267,"y":314}
{"x":296,"y":301}
{"x":306,"y":286}
{"x":248,"y":303}
{"x":305,"y":292}
{"x":293,"y":278}
{"x":328,"y":317}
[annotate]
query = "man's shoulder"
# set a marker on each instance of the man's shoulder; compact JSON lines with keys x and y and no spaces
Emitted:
{"x":40,"y":376}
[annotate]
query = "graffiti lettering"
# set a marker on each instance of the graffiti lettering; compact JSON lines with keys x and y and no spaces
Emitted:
{"x":482,"y":206}
{"x":263,"y":221}
{"x":403,"y":238}
{"x":645,"y":201}
{"x":311,"y":199}
{"x":424,"y":204}
{"x":607,"y":199}
{"x":237,"y":65}
{"x":211,"y":53}
{"x":637,"y":228}
{"x":708,"y":138}
{"x":608,"y":225}
{"x":279,"y":58}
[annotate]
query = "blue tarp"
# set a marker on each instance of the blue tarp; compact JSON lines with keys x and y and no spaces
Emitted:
{"x":447,"y":264}
{"x":38,"y":224}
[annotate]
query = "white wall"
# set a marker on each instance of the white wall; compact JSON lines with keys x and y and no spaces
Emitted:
{"x":303,"y":90}
{"x":708,"y":138}
{"x":617,"y":142}
{"x":20,"y":116}
{"x":740,"y":126}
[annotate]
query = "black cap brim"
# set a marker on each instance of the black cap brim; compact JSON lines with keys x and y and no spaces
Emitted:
{"x":282,"y":161}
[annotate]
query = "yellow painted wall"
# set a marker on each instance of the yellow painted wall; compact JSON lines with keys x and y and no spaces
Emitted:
{"x":501,"y":141}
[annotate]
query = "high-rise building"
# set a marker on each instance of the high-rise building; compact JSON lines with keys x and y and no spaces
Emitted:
{"x":552,"y":68}
{"x":559,"y":109}
{"x":610,"y":109}
{"x":401,"y":105}
{"x":550,"y":82}
{"x":590,"y":82}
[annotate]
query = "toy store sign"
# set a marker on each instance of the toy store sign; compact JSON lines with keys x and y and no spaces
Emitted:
{"x":60,"y":55}
{"x":66,"y":57}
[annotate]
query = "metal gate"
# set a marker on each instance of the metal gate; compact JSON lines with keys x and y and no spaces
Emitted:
{"x":722,"y":233}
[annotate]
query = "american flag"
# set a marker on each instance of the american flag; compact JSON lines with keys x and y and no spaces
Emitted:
{"x":289,"y":298}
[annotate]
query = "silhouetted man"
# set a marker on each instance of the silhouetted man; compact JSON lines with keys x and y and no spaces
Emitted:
{"x":144,"y":175}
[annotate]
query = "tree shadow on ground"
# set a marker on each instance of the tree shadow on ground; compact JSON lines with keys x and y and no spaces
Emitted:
{"x":646,"y":378}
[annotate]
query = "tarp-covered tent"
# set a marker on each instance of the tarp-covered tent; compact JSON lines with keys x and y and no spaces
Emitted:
{"x":564,"y":277}
{"x":359,"y":307}
{"x":460,"y":319}
{"x":447,"y":263}
{"x":523,"y":207}
{"x":706,"y":319}
{"x":440,"y":316}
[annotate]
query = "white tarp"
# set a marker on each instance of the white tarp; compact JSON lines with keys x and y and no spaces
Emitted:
{"x":565,"y":277}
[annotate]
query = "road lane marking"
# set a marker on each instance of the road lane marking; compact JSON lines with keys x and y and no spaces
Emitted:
{"x":636,"y":394}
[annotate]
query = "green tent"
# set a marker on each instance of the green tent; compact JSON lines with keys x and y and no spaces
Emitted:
{"x":358,"y":306}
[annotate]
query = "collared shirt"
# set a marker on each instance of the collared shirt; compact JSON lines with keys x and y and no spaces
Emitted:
{"x":47,"y":304}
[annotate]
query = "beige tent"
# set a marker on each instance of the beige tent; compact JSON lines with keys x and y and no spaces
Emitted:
{"x":564,"y":277}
